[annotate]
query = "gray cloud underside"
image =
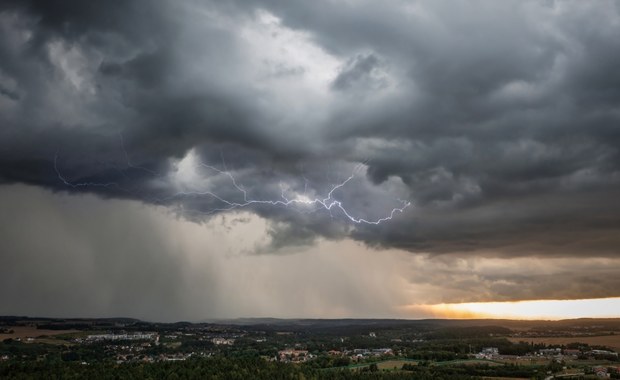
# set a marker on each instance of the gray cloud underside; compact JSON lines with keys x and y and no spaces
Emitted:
{"x":499,"y":119}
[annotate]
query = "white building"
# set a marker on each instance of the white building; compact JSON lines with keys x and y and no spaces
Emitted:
{"x":223,"y":341}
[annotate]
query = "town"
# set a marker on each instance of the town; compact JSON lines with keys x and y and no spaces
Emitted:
{"x":473,"y":348}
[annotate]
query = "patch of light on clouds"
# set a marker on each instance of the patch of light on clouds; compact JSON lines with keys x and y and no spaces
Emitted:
{"x":185,"y":173}
{"x":278,"y":52}
{"x":288,"y":69}
{"x":73,"y":65}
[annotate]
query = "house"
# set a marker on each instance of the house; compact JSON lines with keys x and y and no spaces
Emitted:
{"x":487,"y":353}
{"x":603,"y":353}
{"x":382,"y":351}
{"x":223,"y":341}
{"x":549,"y":351}
{"x":600,"y":371}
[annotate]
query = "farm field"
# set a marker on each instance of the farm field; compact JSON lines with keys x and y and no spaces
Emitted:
{"x":386,"y":364}
{"x":611,"y":341}
{"x":23,"y":332}
{"x":470,"y":362}
{"x":394,"y":364}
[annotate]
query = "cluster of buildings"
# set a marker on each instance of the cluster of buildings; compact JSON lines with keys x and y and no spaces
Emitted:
{"x":568,"y":353}
{"x":294,"y":356}
{"x":169,"y":357}
{"x":549,"y":352}
{"x":488,"y":353}
{"x":132,"y":336}
{"x":300,"y":356}
{"x":602,"y":353}
{"x":557,"y":354}
{"x":362,"y":353}
{"x":605,"y":372}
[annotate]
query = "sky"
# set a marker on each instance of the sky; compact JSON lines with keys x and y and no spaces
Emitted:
{"x":186,"y":160}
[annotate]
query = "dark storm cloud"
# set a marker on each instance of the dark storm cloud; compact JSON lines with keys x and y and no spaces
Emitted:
{"x":499,"y":118}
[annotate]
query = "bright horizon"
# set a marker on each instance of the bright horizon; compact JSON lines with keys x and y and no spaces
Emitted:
{"x":527,"y":309}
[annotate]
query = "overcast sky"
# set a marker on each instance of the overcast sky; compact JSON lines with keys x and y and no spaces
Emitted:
{"x":483,"y":138}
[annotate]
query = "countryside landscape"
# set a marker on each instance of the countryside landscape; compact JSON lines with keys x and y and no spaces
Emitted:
{"x":310,"y":348}
{"x":309,"y":189}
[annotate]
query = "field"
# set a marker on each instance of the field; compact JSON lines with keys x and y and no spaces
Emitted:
{"x":394,"y":364}
{"x":386,"y":364}
{"x":24,"y":332}
{"x":611,"y":341}
{"x":470,"y":362}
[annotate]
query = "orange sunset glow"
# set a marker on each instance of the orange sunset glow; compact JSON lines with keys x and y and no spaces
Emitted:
{"x":533,"y":309}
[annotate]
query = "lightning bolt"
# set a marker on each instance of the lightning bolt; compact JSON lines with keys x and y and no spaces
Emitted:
{"x":129,"y":164}
{"x":328,"y":203}
{"x":80,"y":184}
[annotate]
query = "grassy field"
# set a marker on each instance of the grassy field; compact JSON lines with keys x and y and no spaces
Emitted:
{"x":389,"y":364}
{"x":525,"y":361}
{"x":611,"y":341}
{"x":470,"y":362}
{"x":32,"y":332}
{"x":394,"y":364}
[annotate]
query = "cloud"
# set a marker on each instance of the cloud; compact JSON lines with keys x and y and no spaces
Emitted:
{"x":79,"y":255}
{"x":498,"y":121}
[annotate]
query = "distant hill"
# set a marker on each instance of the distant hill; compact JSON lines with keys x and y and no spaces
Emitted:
{"x":346,"y":325}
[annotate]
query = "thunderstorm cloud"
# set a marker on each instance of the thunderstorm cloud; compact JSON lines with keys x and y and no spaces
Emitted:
{"x":498,"y":121}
